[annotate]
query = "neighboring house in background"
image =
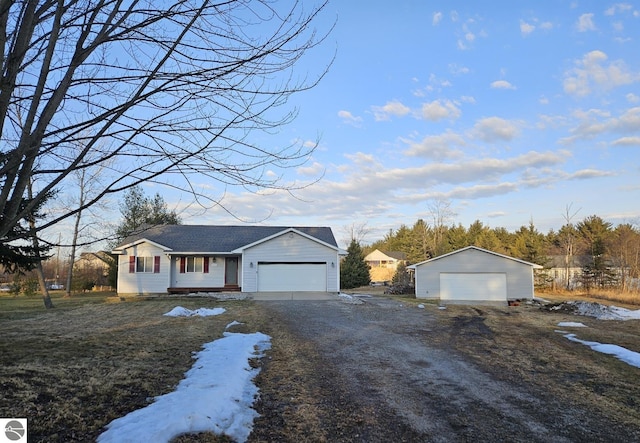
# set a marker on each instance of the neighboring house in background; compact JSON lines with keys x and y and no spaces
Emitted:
{"x":92,"y":266}
{"x":189,"y":258}
{"x":383,"y":265}
{"x":474,"y":275}
{"x":558,"y":269}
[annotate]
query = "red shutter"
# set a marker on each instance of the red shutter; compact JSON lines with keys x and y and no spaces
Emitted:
{"x":156,"y":264}
{"x":132,"y":264}
{"x":183,"y":264}
{"x":205,"y":266}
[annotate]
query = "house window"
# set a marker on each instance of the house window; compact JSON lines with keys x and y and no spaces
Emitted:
{"x":194,"y":264}
{"x":144,"y":264}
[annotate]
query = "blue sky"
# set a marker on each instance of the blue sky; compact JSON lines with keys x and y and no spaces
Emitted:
{"x":510,"y":110}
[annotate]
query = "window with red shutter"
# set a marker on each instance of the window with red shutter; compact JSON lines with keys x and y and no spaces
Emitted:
{"x":183,"y":263}
{"x":156,"y":264}
{"x":206,"y":265}
{"x":132,"y":264}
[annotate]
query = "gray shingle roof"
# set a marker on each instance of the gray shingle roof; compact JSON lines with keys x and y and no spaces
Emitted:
{"x":200,"y":238}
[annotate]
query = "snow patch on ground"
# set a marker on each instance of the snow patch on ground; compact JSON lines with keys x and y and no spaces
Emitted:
{"x":630,"y":357}
{"x":350,"y":299}
{"x":571,"y":324}
{"x":233,"y":323}
{"x":216,"y":395}
{"x":597,"y":310}
{"x":179,"y":311}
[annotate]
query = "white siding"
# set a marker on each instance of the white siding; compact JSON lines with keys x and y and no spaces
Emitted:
{"x":213,"y":279}
{"x":289,"y":248}
{"x":519,"y":275}
{"x":143,"y":282}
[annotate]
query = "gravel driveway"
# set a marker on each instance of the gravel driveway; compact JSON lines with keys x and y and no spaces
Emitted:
{"x":382,"y":360}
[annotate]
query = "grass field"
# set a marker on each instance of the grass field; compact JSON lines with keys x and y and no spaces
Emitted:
{"x":94,"y":358}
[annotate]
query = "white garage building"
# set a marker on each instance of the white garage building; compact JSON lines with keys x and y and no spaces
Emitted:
{"x":474,"y":275}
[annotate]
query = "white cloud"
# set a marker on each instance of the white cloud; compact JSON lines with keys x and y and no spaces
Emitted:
{"x":315,"y":170}
{"x":481,"y":191}
{"x":526,"y":28}
{"x":627,"y":141}
{"x":437,"y":147}
{"x":593,"y":70}
{"x":595,"y":122}
{"x":437,"y":17}
{"x":368,"y":187}
{"x":585,"y":23}
{"x":458,"y":70}
{"x":393,"y":108}
{"x":632,"y":98}
{"x":493,"y":129}
{"x":585,"y":174}
{"x":547,"y":26}
{"x":502,"y":84}
{"x":618,"y":8}
{"x":440,"y":109}
{"x":349,"y":118}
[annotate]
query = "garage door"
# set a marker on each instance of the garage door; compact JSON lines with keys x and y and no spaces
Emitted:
{"x":292,"y":277}
{"x":473,"y":286}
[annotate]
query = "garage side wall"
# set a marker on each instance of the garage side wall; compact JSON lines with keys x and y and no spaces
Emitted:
{"x":289,"y":247}
{"x":519,"y":275}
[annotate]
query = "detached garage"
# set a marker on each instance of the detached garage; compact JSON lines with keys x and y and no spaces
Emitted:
{"x":474,"y":275}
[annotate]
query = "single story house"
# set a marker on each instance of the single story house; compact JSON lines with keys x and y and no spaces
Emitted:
{"x":383,"y":265}
{"x":474,"y":275}
{"x":190,"y":258}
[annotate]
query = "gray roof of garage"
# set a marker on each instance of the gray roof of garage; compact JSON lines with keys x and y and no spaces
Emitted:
{"x":204,"y":238}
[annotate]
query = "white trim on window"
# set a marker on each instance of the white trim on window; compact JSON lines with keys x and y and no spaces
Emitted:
{"x":144,"y":264}
{"x":194,"y":264}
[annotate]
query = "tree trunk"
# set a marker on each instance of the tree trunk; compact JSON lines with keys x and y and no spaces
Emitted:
{"x":43,"y":284}
{"x":76,"y":230}
{"x":46,"y":298}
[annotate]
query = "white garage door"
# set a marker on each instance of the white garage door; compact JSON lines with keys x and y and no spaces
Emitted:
{"x":297,"y":277}
{"x":475,"y":287}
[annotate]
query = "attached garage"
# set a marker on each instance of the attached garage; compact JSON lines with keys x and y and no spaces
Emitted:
{"x":296,"y":277}
{"x":474,"y":275}
{"x":290,"y":261}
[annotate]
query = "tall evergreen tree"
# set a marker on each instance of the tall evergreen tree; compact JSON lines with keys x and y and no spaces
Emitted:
{"x":138,"y":210}
{"x":354,"y":271}
{"x":597,"y":234}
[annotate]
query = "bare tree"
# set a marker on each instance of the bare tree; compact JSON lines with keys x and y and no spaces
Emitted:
{"x":355,"y":232}
{"x":567,"y":236}
{"x":177,"y":88}
{"x":87,"y":182}
{"x":441,"y":215}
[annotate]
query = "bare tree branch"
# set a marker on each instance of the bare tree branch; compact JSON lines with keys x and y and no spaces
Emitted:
{"x":152,"y":91}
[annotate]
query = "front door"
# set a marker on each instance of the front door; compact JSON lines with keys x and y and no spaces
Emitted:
{"x":231,"y":271}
